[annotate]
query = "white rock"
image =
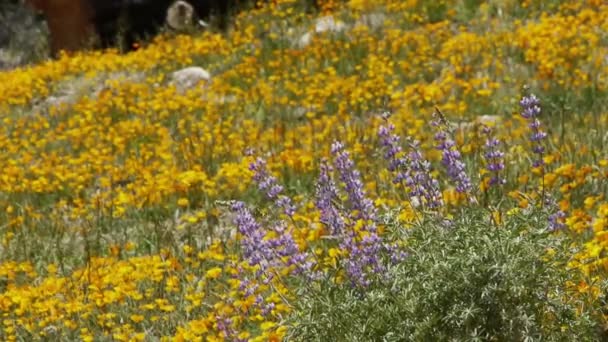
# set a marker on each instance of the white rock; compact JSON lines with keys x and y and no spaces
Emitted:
{"x":305,"y":40}
{"x":189,"y":77}
{"x":56,"y":101}
{"x":327,"y":23}
{"x":489,"y":119}
{"x":180,"y":15}
{"x":323,"y":24}
{"x":372,"y":20}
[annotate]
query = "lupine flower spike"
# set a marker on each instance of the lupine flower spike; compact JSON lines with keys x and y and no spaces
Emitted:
{"x":451,"y":158}
{"x":530,"y":106}
{"x":362,"y":241}
{"x":258,"y":248}
{"x":557,"y":216}
{"x":493,"y":157}
{"x":410,"y":169}
{"x":268,"y":184}
{"x":326,"y":195}
{"x":421,"y":182}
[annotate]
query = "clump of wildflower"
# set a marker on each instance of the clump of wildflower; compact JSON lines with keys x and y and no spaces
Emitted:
{"x":256,"y":250}
{"x":353,"y":185}
{"x":269,"y":185}
{"x":362,"y":242}
{"x":557,"y":216}
{"x":249,"y":288}
{"x":421,"y":183}
{"x":494,"y":157}
{"x":411,"y":169}
{"x":556,"y":220}
{"x":287,"y":247}
{"x":246,"y":286}
{"x":266,"y":307}
{"x":531,"y":109}
{"x":326,"y":193}
{"x":267,"y":255}
{"x":451,"y":158}
{"x":397,"y":254}
{"x":530,"y":106}
{"x":225,"y":326}
{"x":259,"y":250}
{"x":284,"y":245}
{"x":393,"y":153}
{"x":333,"y":217}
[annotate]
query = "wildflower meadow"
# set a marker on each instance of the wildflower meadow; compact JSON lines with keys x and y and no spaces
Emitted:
{"x":379,"y":170}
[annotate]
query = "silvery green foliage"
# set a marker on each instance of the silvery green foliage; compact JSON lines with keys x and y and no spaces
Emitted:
{"x":465,"y":280}
{"x":23,"y":37}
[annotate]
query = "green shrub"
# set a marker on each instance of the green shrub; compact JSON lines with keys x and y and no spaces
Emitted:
{"x":468,"y":279}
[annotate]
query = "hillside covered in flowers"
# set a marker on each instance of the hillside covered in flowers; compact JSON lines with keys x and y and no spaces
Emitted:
{"x":137,"y":207}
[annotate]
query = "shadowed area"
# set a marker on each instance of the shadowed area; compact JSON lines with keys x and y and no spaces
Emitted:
{"x":79,"y":24}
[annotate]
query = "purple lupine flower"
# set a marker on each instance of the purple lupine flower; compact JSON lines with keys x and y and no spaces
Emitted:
{"x":363,"y":259}
{"x":267,"y":308}
{"x":556,"y":220}
{"x":397,"y":163}
{"x":397,"y":254}
{"x":285,"y":246}
{"x":247,"y":286}
{"x":363,"y":247}
{"x":224,"y":325}
{"x":326,"y":194}
{"x":530,"y":111}
{"x":410,"y":168}
{"x":422,"y":185}
{"x":256,"y":250}
{"x":494,"y":157}
{"x":269,"y":185}
{"x":530,"y":106}
{"x":353,"y":185}
{"x":362,"y":253}
{"x":452,"y":160}
{"x":556,"y":216}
